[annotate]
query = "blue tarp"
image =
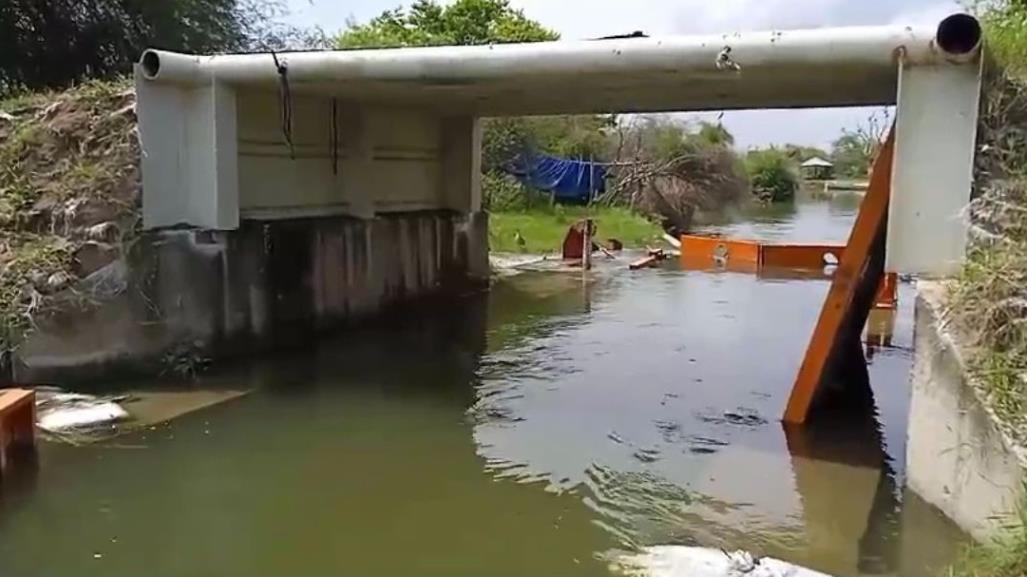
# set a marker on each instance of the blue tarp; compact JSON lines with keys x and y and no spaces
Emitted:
{"x":569,"y":180}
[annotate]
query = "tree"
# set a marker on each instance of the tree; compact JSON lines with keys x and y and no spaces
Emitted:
{"x":850,"y":156}
{"x":801,"y":154}
{"x":854,"y":151}
{"x":53,"y":43}
{"x":427,"y":23}
{"x":476,"y":22}
{"x":773,"y":174}
{"x":669,"y":170}
{"x":715,"y":134}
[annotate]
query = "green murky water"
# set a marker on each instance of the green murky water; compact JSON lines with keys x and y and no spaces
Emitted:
{"x":532,"y":430}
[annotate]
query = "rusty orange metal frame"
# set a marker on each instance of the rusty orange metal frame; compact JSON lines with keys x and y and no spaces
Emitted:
{"x":800,"y":255}
{"x":780,"y":261}
{"x":17,"y":423}
{"x":853,"y":287}
{"x":888,"y":294}
{"x":707,"y":251}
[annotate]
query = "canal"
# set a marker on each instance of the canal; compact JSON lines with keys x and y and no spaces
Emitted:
{"x":540,"y":428}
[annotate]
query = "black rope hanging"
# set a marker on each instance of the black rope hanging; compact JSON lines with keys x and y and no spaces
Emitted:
{"x":285,"y":102}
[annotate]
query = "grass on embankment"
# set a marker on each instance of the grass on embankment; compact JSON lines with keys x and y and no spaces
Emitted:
{"x":543,"y":229}
{"x":1004,"y":557}
{"x":68,"y":163}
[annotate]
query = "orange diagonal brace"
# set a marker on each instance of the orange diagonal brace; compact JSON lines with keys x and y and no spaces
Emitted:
{"x":842,"y":299}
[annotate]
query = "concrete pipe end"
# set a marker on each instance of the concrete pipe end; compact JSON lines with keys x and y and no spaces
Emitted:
{"x":150,"y":63}
{"x":959,"y":35}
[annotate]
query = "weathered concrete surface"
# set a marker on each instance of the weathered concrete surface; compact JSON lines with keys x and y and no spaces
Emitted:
{"x":269,"y":284}
{"x":958,"y":459}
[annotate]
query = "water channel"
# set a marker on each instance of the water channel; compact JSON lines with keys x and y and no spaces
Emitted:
{"x":537,"y":429}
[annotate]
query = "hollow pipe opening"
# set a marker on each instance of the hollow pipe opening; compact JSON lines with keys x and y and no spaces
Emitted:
{"x":151,"y":64}
{"x":959,"y":34}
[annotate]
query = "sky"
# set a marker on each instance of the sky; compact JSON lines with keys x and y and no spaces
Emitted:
{"x":593,"y":18}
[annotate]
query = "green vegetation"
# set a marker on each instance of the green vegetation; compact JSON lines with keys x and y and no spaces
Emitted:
{"x":851,"y":156}
{"x":55,"y":43}
{"x":774,"y":174}
{"x":543,"y":229}
{"x":855,"y":150}
{"x":32,"y":265}
{"x":989,"y":300}
{"x":1004,"y":22}
{"x":801,"y":154}
{"x":428,"y":23}
{"x":1006,"y":556}
{"x":68,"y":175}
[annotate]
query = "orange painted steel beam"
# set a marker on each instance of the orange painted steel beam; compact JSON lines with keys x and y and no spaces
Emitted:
{"x":800,"y":255}
{"x":777,"y":261}
{"x":888,"y":294}
{"x":844,"y":313}
{"x":720,"y":250}
{"x":17,"y":423}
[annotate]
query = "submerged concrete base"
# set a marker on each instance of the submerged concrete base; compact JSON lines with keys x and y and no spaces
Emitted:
{"x":186,"y":295}
{"x":958,"y":458}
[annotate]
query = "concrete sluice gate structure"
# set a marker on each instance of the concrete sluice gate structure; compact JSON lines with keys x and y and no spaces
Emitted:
{"x":296,"y":191}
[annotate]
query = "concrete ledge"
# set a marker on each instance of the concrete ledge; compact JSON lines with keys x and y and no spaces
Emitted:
{"x":958,"y":457}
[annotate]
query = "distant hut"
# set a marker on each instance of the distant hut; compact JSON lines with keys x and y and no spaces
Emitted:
{"x":817,"y":168}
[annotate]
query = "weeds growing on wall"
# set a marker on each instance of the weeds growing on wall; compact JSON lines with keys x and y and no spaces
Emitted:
{"x":1005,"y":556}
{"x":989,"y":302}
{"x":69,"y":177}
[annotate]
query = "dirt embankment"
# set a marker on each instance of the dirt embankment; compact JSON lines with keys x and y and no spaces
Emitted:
{"x":69,"y":195}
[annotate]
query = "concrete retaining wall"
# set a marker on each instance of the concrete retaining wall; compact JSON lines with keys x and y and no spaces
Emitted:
{"x":958,"y":459}
{"x":269,"y":284}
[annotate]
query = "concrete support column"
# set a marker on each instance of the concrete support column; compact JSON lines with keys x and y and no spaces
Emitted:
{"x":935,"y":140}
{"x":359,"y":140}
{"x":189,"y":138}
{"x":461,"y":189}
{"x":461,"y":163}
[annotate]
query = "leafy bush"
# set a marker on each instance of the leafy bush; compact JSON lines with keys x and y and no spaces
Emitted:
{"x":429,"y":23}
{"x":1005,"y":23}
{"x":502,"y":192}
{"x":773,"y":174}
{"x":55,"y":43}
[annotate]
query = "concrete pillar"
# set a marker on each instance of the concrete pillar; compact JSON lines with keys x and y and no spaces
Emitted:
{"x":935,"y":140}
{"x":461,"y":189}
{"x":357,"y":138}
{"x":189,"y":138}
{"x":461,"y":163}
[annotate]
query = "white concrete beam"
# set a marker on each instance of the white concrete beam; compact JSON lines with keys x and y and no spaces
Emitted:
{"x":190,"y":155}
{"x":935,"y":142}
{"x":770,"y":69}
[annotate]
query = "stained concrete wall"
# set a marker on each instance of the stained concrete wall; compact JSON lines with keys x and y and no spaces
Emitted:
{"x":347,"y":158}
{"x":957,"y":458}
{"x":216,"y":155}
{"x":273,"y":215}
{"x":269,"y":284}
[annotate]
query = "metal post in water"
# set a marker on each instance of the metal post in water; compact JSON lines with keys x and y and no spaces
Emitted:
{"x":586,"y":245}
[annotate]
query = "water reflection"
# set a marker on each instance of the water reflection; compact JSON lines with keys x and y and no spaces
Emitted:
{"x":526,"y":431}
{"x":844,"y":447}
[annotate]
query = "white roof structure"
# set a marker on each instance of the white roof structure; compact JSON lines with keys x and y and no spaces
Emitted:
{"x":817,"y":162}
